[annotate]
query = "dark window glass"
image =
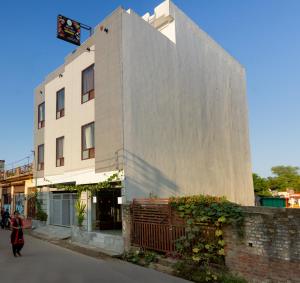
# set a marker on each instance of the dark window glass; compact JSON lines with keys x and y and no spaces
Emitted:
{"x":60,"y":103}
{"x":41,"y":115}
{"x":41,"y":157}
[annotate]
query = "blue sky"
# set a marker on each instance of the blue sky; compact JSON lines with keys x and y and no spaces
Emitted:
{"x":264,"y":35}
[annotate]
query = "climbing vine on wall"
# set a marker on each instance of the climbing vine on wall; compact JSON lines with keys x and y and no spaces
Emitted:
{"x":205,"y":217}
{"x":111,"y":182}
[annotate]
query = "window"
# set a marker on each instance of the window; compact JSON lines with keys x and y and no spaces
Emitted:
{"x":60,"y":103}
{"x":87,"y":86}
{"x":40,"y":157}
{"x":41,"y":115}
{"x":88,"y":141}
{"x":60,"y":161}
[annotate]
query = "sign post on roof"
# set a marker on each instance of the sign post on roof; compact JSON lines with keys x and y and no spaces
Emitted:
{"x":70,"y":30}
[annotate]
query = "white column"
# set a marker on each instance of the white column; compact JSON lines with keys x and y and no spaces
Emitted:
{"x":89,"y":211}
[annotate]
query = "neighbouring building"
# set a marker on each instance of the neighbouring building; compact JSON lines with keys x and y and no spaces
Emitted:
{"x":17,"y":189}
{"x":152,"y":96}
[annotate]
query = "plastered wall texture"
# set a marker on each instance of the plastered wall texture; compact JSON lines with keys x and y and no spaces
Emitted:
{"x":185,"y":114}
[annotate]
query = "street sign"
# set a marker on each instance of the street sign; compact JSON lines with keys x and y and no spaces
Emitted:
{"x":68,"y":30}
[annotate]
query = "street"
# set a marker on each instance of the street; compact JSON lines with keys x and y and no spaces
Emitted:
{"x":45,"y":262}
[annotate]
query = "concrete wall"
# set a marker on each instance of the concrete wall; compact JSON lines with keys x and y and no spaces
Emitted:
{"x":185,"y":114}
{"x":76,"y":115}
{"x":105,"y":110}
{"x":173,"y":102}
{"x":39,"y":134}
{"x":108,"y":100}
{"x":269,"y":250}
{"x":69,"y":126}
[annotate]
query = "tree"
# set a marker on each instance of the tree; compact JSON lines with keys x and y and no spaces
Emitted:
{"x":286,"y":177}
{"x":285,"y":170}
{"x":261,"y":185}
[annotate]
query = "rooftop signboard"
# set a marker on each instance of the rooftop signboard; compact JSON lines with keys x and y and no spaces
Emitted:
{"x":68,"y":30}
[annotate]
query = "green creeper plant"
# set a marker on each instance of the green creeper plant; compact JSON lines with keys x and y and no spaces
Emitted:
{"x":205,"y":217}
{"x":110,"y":182}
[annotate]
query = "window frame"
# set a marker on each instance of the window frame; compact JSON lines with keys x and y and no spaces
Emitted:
{"x":91,"y":151}
{"x":90,"y":93}
{"x":60,"y":161}
{"x":40,"y":165}
{"x":60,"y":113}
{"x":41,"y":124}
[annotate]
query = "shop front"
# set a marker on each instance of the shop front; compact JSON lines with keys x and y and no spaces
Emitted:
{"x":19,"y":199}
{"x":6,"y":198}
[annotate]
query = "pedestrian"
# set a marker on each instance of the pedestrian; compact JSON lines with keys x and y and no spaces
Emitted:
{"x":2,"y":217}
{"x":6,"y":219}
{"x":16,"y":237}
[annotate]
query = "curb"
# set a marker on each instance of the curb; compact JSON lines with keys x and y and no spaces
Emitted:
{"x":65,"y":243}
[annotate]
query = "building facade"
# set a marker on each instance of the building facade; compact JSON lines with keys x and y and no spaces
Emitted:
{"x":17,"y":190}
{"x":153,"y":97}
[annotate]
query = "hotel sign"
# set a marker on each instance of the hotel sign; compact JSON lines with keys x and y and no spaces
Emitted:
{"x":68,"y":30}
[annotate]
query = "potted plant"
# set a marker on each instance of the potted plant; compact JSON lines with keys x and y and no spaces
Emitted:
{"x":80,"y":211}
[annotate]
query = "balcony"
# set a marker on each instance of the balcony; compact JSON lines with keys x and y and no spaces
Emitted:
{"x":20,"y":171}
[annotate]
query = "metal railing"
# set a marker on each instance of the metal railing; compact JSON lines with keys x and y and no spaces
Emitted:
{"x":16,"y":172}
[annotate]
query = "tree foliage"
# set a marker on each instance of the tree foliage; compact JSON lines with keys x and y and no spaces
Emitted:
{"x":261,"y":185}
{"x":284,"y":177}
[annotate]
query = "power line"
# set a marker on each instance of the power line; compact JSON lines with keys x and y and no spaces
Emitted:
{"x":28,"y":158}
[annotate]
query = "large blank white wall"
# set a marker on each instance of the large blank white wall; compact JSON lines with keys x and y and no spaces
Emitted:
{"x":185,"y":114}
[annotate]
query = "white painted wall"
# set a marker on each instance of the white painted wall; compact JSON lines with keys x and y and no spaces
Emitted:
{"x":69,"y":126}
{"x":185,"y":114}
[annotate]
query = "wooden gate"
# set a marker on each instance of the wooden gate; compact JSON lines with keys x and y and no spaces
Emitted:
{"x":155,"y":225}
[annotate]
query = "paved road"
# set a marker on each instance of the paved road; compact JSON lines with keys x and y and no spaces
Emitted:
{"x":43,"y":262}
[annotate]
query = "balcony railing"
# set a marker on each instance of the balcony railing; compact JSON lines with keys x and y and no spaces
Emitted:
{"x":16,"y":172}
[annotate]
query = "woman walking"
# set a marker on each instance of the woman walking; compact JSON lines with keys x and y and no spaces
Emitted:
{"x":17,"y":238}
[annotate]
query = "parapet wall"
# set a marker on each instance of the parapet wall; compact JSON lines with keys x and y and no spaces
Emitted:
{"x":269,"y":250}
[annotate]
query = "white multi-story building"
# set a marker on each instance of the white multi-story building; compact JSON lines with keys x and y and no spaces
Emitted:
{"x":154,"y":97}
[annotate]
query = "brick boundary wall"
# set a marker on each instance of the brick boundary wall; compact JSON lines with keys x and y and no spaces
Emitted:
{"x":269,"y":250}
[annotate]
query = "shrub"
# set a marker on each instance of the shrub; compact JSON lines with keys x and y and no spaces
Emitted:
{"x":41,"y":215}
{"x":80,"y":211}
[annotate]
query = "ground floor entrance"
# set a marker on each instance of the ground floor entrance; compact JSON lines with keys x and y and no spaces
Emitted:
{"x":107,"y":211}
{"x":62,"y":209}
{"x":6,"y":199}
{"x":19,"y":203}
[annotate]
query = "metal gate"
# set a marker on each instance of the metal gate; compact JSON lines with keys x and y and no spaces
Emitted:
{"x":62,"y":209}
{"x":155,"y":225}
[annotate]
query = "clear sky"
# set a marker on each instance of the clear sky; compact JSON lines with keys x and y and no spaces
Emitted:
{"x":264,"y":35}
